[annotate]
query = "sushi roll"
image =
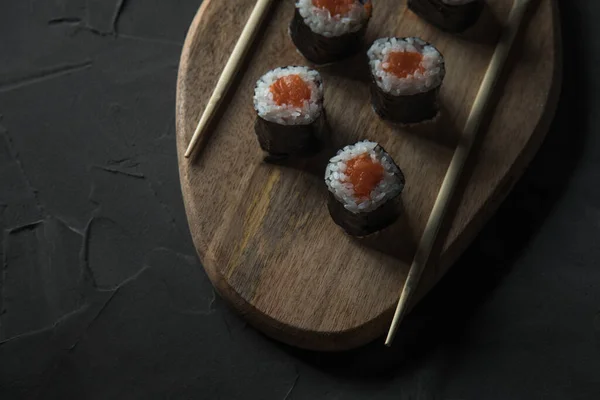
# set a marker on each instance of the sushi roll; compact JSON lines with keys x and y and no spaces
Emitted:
{"x":453,"y":16}
{"x":364,"y":186}
{"x":290,"y":117}
{"x":406,"y":74}
{"x":326,"y":31}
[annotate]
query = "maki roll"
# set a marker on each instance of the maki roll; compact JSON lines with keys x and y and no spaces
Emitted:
{"x":325,"y":31}
{"x":454,"y":16}
{"x":290,"y":116}
{"x":407,"y":74}
{"x":364,"y":188}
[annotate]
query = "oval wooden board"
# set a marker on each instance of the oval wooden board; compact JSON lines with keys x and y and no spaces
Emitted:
{"x":263,"y":232}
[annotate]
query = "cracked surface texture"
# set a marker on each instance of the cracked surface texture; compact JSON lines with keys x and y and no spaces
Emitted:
{"x":103,"y":297}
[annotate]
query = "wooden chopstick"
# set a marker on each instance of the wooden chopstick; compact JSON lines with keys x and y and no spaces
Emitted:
{"x":231,"y":68}
{"x":459,"y":158}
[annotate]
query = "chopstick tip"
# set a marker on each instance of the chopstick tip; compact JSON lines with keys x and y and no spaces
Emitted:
{"x":389,"y":339}
{"x":189,"y":150}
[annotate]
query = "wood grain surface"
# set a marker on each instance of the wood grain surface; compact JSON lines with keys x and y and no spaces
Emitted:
{"x":263,"y":232}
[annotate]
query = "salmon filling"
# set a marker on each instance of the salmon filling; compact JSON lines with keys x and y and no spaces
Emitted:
{"x":364,"y":174}
{"x":290,"y":90}
{"x":335,"y":7}
{"x":403,"y":63}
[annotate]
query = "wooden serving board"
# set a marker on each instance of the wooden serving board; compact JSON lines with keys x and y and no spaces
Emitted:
{"x":263,"y":232}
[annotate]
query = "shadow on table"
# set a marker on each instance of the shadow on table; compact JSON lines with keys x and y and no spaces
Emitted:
{"x":440,"y":319}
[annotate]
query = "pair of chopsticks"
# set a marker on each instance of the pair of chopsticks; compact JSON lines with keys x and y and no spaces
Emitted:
{"x":459,"y":158}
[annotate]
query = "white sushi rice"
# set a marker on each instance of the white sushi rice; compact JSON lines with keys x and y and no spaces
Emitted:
{"x":457,"y":2}
{"x":287,"y":114}
{"x":432,"y":63}
{"x":338,"y":183}
{"x":320,"y":21}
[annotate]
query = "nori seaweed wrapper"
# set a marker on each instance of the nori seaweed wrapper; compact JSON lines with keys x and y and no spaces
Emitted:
{"x":364,"y":223}
{"x":320,"y":49}
{"x":409,"y":109}
{"x":449,"y":18}
{"x":291,"y":140}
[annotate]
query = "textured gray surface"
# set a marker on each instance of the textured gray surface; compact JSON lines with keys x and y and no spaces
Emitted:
{"x":102,"y":295}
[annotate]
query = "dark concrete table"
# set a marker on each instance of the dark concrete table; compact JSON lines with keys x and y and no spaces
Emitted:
{"x":103,"y":297}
